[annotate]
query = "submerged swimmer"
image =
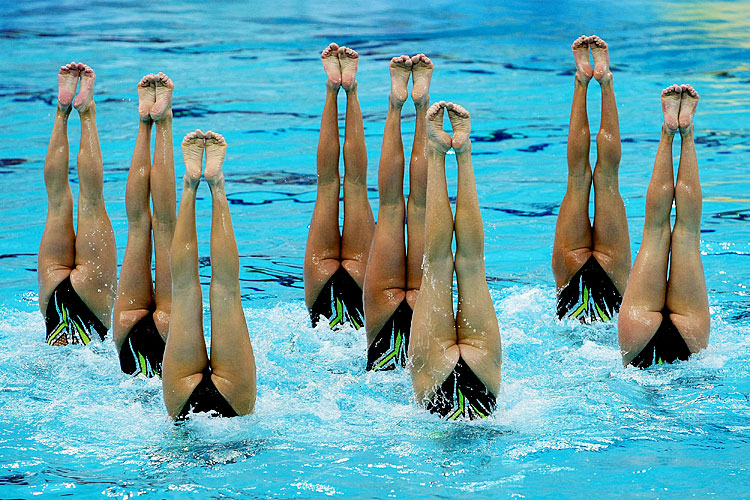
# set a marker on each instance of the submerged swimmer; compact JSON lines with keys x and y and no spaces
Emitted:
{"x":77,"y":269}
{"x":591,"y":264}
{"x":393,"y":276}
{"x":142,"y":309}
{"x":334,"y":268}
{"x":225,"y":384}
{"x":662,"y":318}
{"x":455,"y":362}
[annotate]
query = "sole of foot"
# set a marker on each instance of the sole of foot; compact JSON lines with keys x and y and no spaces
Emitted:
{"x":193,"y":146}
{"x":216,"y":150}
{"x":438,"y":139}
{"x":600,"y":53}
{"x":349,"y":61}
{"x":421,"y":70}
{"x":331,"y":65}
{"x":400,"y":68}
{"x":85,"y":98}
{"x":688,"y":104}
{"x":67,"y":82}
{"x":670,"y":106}
{"x":461,"y":124}
{"x":584,"y":71}
{"x":146,"y":96}
{"x":162,"y":107}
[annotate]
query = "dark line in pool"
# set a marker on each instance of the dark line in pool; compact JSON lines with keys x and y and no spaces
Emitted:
{"x":533,"y":148}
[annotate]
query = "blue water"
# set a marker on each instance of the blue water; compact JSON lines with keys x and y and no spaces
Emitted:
{"x":571,"y":421}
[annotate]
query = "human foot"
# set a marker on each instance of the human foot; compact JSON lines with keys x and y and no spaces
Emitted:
{"x":461,"y":124}
{"x":146,"y":97}
{"x":421,"y":70}
{"x":331,"y":65}
{"x":400,"y":68}
{"x":600,"y":53}
{"x":67,"y":81}
{"x":670,"y":106}
{"x":584,"y":71}
{"x":349,"y":60}
{"x":438,"y":139}
{"x":85,"y":97}
{"x":688,"y":105}
{"x":192,"y":154}
{"x":163,"y":104}
{"x":216,"y":149}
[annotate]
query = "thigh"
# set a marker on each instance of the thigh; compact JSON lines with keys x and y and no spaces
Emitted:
{"x":56,"y":257}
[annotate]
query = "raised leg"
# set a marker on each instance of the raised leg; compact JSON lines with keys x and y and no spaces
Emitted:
{"x":359,"y":224}
{"x":573,"y":238}
{"x":433,"y":350}
{"x":687,"y":298}
{"x":57,"y":249}
{"x":644,"y":298}
{"x":185,"y":356}
{"x":611,"y":237}
{"x":476,"y":321}
{"x":385,"y":279}
{"x":163,"y":199}
{"x":95,"y":275}
{"x":323,"y":250}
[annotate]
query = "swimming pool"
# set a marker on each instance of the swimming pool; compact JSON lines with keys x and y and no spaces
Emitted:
{"x":571,"y":421}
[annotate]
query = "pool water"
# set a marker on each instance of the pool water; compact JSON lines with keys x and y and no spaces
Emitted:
{"x":571,"y":421}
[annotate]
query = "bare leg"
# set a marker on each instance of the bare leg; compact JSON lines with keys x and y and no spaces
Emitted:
{"x":57,"y":248}
{"x":185,"y":356}
{"x":476,"y":322}
{"x":95,"y":275}
{"x":232,"y":360}
{"x":611,"y":237}
{"x":359,"y":224}
{"x":323,"y":251}
{"x":163,"y":199}
{"x":573,"y":239}
{"x":433,"y":352}
{"x":135,"y":291}
{"x":687,"y":299}
{"x":385,"y":279}
{"x":644,"y":299}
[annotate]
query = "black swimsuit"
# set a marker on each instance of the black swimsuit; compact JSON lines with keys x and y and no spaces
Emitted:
{"x":69,"y":320}
{"x":666,"y":346}
{"x":390,"y":346}
{"x":143,"y":350}
{"x":590,"y":295}
{"x":206,"y":398}
{"x":462,"y":396}
{"x":340,"y":301}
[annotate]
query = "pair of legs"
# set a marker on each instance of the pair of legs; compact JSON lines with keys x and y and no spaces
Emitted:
{"x":232,"y":363}
{"x":683,"y":296}
{"x":88,"y":256}
{"x":393,"y":274}
{"x":137,"y":296}
{"x":575,"y":238}
{"x":437,"y":338}
{"x":327,"y":249}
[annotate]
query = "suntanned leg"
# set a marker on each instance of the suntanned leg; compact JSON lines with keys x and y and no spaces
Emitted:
{"x":359,"y":224}
{"x":687,"y":299}
{"x":323,"y":250}
{"x":644,"y":298}
{"x":95,"y":275}
{"x":185,"y":356}
{"x":163,"y":199}
{"x":422,"y":68}
{"x":232,"y":360}
{"x":573,"y":238}
{"x":57,"y":249}
{"x":476,"y":322}
{"x":433,"y":352}
{"x":134,"y":290}
{"x":611,"y":237}
{"x":385,"y":279}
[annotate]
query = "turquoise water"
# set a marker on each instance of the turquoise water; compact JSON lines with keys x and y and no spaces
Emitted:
{"x":571,"y":421}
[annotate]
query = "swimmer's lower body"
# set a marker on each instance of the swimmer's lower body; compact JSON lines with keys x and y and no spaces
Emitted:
{"x":335,"y":263}
{"x":394,"y":275}
{"x":225,"y":384}
{"x":583,"y":291}
{"x":455,"y":361}
{"x":662,"y":318}
{"x":142,"y":309}
{"x":77,"y":272}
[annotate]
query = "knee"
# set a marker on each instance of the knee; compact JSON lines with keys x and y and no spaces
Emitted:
{"x":688,"y":193}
